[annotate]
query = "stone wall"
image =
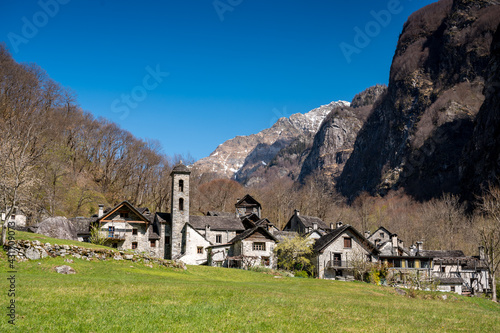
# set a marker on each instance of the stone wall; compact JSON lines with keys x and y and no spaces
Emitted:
{"x":179,"y":216}
{"x":24,"y":250}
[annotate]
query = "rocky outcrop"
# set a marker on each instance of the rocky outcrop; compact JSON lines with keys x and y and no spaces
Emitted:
{"x":481,"y":158}
{"x":369,"y":96}
{"x":334,"y":141}
{"x":414,"y":139}
{"x":57,"y":227}
{"x":241,"y":157}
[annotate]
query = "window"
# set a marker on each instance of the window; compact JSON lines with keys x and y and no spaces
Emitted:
{"x":411,"y":263}
{"x":218,"y":239}
{"x":443,"y":269}
{"x":397,"y":263}
{"x":167,"y":240}
{"x":381,"y":235}
{"x":134,"y":231}
{"x":199,"y":250}
{"x":337,"y":259}
{"x":124,"y":215}
{"x":347,"y":242}
{"x":153,"y":243}
{"x":134,"y":245}
{"x":181,"y":204}
{"x":265,"y":261}
{"x":452,"y":288}
{"x":259,"y":246}
{"x":111,"y":232}
{"x":181,"y":185}
{"x":424,"y":264}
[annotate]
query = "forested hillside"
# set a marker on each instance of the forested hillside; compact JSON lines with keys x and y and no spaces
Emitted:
{"x":56,"y":159}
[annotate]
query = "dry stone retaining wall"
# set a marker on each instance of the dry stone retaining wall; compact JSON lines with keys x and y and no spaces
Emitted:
{"x":24,"y":250}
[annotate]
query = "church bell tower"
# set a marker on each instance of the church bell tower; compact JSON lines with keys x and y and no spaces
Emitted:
{"x":179,"y":208}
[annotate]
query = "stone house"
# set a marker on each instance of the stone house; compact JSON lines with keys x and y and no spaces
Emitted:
{"x":248,"y":205}
{"x":253,"y":247}
{"x":304,"y":224}
{"x":127,"y":227}
{"x":338,"y":251}
{"x":451,"y":269}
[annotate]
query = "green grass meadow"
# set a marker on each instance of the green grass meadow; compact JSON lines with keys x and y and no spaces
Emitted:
{"x":122,"y":296}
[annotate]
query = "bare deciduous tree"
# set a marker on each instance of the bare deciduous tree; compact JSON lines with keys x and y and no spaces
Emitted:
{"x":489,"y":233}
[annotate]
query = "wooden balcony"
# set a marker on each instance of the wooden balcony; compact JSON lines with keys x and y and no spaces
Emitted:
{"x":115,"y":236}
{"x":338,"y":264}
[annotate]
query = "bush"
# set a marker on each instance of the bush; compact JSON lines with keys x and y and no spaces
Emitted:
{"x":301,"y":274}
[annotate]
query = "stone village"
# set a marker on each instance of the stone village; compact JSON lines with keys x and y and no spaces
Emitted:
{"x":244,"y":239}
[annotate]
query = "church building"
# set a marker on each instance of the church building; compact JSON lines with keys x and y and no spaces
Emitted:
{"x":178,"y":235}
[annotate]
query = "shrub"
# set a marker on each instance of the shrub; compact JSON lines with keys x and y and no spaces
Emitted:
{"x":301,"y":274}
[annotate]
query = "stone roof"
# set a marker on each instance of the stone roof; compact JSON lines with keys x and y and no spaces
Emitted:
{"x":82,"y":224}
{"x":308,"y":221}
{"x":181,"y":168}
{"x":214,"y":213}
{"x":447,"y":281}
{"x":324,"y":241}
{"x":250,"y":232}
{"x":216,"y":222}
{"x":163,"y":217}
{"x":152,"y":235}
{"x":247,"y":201}
{"x":280,"y":235}
{"x":441,"y":253}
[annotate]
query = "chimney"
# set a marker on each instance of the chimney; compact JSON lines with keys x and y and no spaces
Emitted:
{"x":394,"y":238}
{"x":101,"y":210}
{"x":481,"y":253}
{"x":207,"y":230}
{"x":367,"y":234}
{"x":332,"y":226}
{"x":315,"y":226}
{"x":419,"y":246}
{"x":339,"y":224}
{"x":296,"y":212}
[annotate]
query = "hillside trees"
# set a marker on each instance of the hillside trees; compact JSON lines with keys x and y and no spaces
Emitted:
{"x":56,"y":159}
{"x":489,"y":233}
{"x":27,"y":96}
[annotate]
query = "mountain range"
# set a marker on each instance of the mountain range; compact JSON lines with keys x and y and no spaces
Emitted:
{"x":434,"y":129}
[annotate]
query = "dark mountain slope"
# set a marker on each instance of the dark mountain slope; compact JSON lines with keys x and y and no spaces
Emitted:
{"x":415,"y":137}
{"x":481,"y":159}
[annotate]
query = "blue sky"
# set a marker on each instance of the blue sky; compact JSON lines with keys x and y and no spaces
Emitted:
{"x":193,"y":74}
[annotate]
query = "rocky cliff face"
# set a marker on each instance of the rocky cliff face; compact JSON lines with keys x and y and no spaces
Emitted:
{"x":481,"y":158}
{"x":243,"y":156}
{"x":334,"y":141}
{"x":415,"y":136}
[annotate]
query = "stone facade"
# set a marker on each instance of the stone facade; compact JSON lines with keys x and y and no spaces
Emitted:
{"x":337,"y":258}
{"x":194,"y":246}
{"x":179,"y":208}
{"x":125,"y":228}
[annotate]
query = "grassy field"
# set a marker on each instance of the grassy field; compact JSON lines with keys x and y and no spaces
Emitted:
{"x":121,"y":296}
